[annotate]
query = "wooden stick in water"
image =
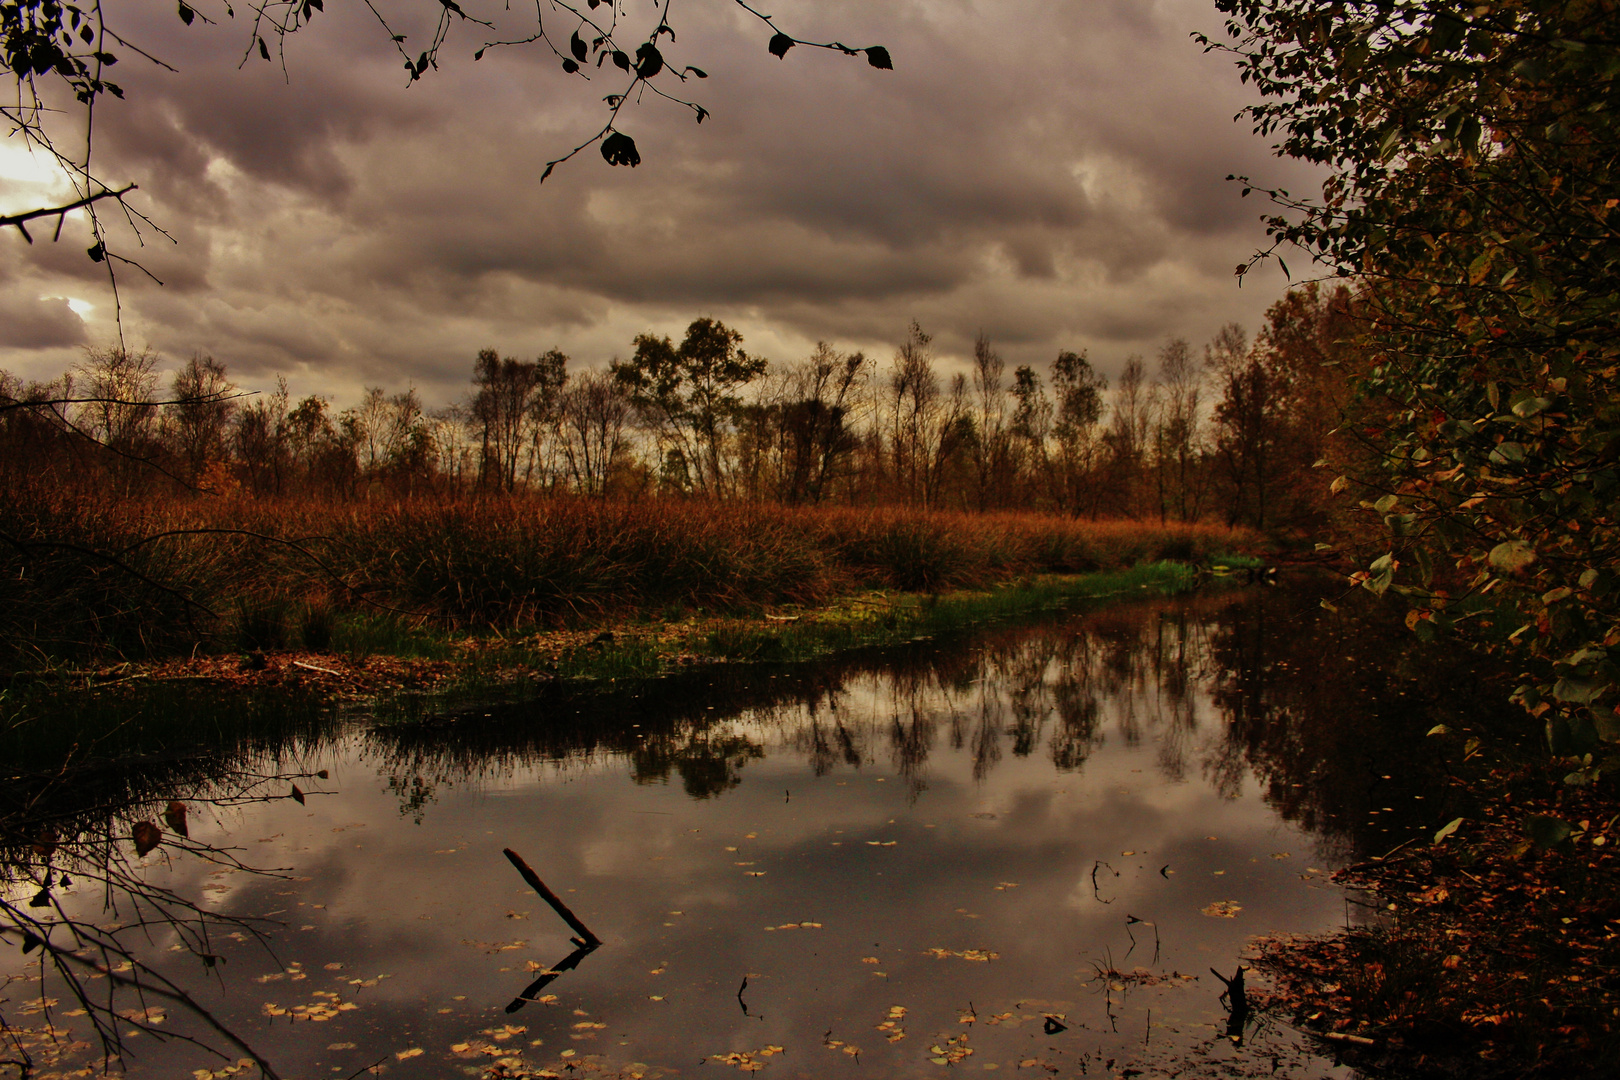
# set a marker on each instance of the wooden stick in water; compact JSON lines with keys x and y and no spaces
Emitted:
{"x":551,"y":898}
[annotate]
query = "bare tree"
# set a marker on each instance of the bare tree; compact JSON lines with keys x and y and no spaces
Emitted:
{"x":1128,"y":431}
{"x":511,"y":397}
{"x":1031,"y":431}
{"x":1079,"y":390}
{"x":262,"y":441}
{"x":197,"y":420}
{"x":927,"y":428}
{"x":117,"y":409}
{"x":992,"y":441}
{"x":595,"y":417}
{"x":1178,"y":434}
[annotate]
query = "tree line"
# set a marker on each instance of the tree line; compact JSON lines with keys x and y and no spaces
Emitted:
{"x":1227,"y":430}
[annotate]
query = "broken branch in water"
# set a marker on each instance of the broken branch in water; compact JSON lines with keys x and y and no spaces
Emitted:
{"x":588,"y":939}
{"x":1238,"y":1001}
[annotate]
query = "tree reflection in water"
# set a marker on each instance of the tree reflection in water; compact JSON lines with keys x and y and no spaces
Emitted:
{"x":89,"y":777}
{"x":1316,"y":706}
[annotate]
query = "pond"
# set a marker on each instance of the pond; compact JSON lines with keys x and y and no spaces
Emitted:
{"x":1020,"y":853}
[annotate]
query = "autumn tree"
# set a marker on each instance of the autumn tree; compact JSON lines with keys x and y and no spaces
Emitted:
{"x":197,"y":419}
{"x":927,"y":426}
{"x":1251,"y":425}
{"x":689,"y":398}
{"x":1472,"y":156}
{"x":1178,"y":451}
{"x":992,"y":445}
{"x":263,"y":440}
{"x":117,"y":406}
{"x":1030,"y":430}
{"x":512,"y":400}
{"x":1079,"y":389}
{"x":1130,"y":422}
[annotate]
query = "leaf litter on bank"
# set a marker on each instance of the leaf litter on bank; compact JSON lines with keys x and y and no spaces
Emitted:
{"x":1492,"y":954}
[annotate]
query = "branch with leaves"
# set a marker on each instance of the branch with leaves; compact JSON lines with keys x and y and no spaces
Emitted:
{"x":71,"y":43}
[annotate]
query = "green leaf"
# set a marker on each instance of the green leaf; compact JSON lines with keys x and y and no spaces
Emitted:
{"x":1511,"y":556}
{"x":1447,"y":829}
{"x":1438,"y":729}
{"x":1546,"y":831}
{"x":1578,"y":691}
{"x":1530,"y":406}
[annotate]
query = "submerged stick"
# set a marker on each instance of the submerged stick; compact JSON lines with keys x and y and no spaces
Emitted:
{"x":589,"y":939}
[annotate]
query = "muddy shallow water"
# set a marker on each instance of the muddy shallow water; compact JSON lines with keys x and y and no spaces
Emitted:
{"x":1021,"y":853}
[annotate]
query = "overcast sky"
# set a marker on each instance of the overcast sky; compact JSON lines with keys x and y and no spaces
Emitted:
{"x":1048,"y":173}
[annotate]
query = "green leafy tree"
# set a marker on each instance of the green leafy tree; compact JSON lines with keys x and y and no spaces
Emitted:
{"x":690,"y":397}
{"x":1471,"y":154}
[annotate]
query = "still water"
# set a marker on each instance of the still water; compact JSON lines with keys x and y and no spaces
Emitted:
{"x":1017,"y":854}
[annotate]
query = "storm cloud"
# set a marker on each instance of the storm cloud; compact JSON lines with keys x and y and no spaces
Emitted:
{"x":1050,"y":174}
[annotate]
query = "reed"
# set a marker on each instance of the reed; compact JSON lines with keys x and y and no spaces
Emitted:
{"x":89,"y":576}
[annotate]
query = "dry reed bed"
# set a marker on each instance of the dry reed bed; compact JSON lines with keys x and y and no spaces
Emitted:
{"x":132,"y":573}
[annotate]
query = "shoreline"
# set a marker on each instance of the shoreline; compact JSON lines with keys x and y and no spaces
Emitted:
{"x":1491,"y":952}
{"x":427,"y":661}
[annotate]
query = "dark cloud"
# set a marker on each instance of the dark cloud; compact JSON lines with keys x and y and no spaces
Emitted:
{"x":1049,"y":173}
{"x":45,"y":323}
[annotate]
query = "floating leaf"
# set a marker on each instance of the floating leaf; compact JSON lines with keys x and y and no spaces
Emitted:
{"x":146,"y":836}
{"x":1223,"y":909}
{"x":175,"y":815}
{"x":296,"y":795}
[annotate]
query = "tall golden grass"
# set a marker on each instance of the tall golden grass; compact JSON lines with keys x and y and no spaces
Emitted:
{"x":89,"y":573}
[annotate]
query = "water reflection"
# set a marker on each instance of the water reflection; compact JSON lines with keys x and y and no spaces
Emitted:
{"x":979,"y":835}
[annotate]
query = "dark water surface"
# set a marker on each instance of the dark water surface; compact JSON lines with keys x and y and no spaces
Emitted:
{"x":1018,"y":854}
